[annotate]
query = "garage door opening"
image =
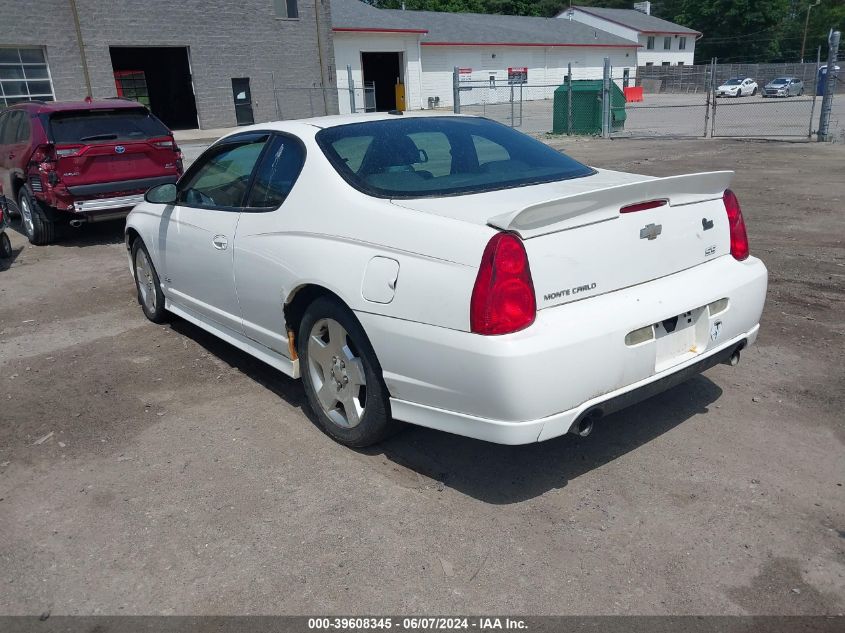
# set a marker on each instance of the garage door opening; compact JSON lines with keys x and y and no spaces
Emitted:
{"x":385,"y":71}
{"x":159,"y":77}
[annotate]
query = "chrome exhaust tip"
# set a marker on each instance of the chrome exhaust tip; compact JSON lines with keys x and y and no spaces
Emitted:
{"x":76,"y":223}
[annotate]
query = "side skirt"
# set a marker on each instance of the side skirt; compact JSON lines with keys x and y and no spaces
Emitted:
{"x":284,"y":365}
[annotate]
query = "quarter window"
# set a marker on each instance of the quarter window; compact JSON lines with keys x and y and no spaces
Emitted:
{"x":650,"y":43}
{"x":286,"y":8}
{"x":223,"y":178}
{"x":15,"y":128}
{"x":277,"y":173}
{"x":24,"y":76}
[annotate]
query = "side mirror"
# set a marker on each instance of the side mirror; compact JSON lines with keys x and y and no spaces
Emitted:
{"x":161,"y":194}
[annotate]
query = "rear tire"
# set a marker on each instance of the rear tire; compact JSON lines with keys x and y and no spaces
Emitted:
{"x":5,"y":246}
{"x":342,"y":376}
{"x":754,"y":92}
{"x":147,"y":284}
{"x":37,"y":227}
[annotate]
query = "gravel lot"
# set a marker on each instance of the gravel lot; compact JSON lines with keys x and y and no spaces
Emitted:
{"x":150,"y":469}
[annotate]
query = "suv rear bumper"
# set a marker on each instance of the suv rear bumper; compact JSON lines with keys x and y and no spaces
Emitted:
{"x":98,"y":207}
{"x":120,"y":186}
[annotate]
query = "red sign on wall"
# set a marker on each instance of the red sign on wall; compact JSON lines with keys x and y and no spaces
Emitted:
{"x":518,"y":75}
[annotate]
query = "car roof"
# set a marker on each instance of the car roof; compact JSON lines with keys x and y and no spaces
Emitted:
{"x":37,"y":107}
{"x":312,"y":125}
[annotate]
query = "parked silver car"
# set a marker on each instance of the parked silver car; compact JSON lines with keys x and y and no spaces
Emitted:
{"x":784,"y":87}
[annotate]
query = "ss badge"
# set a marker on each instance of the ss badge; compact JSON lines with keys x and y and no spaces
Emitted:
{"x":709,"y":251}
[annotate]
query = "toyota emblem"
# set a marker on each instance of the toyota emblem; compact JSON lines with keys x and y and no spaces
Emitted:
{"x":119,"y":149}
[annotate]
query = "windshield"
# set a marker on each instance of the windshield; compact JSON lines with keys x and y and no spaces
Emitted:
{"x":780,"y":80}
{"x":733,"y":82}
{"x":105,"y":125}
{"x":437,"y":156}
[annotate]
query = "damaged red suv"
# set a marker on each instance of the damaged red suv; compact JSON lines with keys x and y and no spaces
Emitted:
{"x":76,"y":162}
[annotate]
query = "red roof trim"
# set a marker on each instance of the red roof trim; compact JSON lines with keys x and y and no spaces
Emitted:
{"x":628,"y":26}
{"x":631,"y":45}
{"x":344,"y":29}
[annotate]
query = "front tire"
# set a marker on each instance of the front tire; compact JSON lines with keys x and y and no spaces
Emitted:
{"x":754,"y":92}
{"x":342,"y":376}
{"x":37,"y":227}
{"x":147,"y":284}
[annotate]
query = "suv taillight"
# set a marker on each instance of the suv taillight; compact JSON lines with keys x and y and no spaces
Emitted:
{"x":503,"y":296}
{"x":739,"y":237}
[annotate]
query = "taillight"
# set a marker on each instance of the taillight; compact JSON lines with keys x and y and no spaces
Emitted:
{"x":739,"y":237}
{"x":169,"y":144}
{"x":503,"y":296}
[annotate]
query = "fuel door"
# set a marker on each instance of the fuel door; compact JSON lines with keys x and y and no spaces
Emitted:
{"x":380,"y":280}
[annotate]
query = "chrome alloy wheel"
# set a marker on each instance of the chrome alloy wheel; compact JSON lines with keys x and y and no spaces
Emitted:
{"x":337,"y":373}
{"x":144,"y":279}
{"x":26,"y":216}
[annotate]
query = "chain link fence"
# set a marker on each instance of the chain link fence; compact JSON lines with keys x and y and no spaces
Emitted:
{"x":666,"y":101}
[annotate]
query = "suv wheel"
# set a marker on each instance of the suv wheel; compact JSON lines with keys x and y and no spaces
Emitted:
{"x":36,"y":226}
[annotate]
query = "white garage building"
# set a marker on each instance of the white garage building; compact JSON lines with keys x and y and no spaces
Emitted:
{"x":420,"y":49}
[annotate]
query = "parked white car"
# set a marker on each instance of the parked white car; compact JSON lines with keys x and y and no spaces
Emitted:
{"x":450,"y":272}
{"x":737,"y":87}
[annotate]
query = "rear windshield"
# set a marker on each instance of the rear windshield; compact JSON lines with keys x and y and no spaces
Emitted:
{"x":435,"y":156}
{"x":105,"y":125}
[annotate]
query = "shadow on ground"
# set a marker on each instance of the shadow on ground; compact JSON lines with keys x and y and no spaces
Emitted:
{"x":491,"y":472}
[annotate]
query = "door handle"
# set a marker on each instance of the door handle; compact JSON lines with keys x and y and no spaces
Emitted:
{"x":220,"y":242}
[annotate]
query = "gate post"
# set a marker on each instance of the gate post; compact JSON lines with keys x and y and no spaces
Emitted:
{"x":605,"y":100}
{"x":713,"y":84}
{"x":456,"y":91}
{"x":827,"y":99}
{"x":708,"y":84}
{"x":351,"y":84}
{"x":569,"y":99}
{"x":815,"y":92}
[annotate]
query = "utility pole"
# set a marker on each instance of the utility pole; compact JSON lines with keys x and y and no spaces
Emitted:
{"x":806,"y":24}
{"x":827,"y":100}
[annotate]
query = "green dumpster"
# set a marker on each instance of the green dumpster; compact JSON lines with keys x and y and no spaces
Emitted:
{"x":586,"y":107}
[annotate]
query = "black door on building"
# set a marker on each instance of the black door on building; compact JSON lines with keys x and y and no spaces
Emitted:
{"x":243,"y":101}
{"x":165,"y":73}
{"x":384,"y":70}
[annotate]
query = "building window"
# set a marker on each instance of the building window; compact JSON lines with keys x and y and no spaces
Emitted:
{"x":667,"y":43}
{"x":649,"y":63}
{"x":680,"y":63}
{"x":682,"y":43}
{"x":286,"y":8}
{"x":649,"y":44}
{"x":666,"y":64}
{"x":24,"y":76}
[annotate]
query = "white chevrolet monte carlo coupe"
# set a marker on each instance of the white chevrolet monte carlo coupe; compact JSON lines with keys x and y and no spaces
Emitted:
{"x":450,"y":272}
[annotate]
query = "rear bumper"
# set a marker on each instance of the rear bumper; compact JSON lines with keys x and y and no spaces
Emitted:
{"x":103,"y":208}
{"x":533,"y":385}
{"x":120,"y":186}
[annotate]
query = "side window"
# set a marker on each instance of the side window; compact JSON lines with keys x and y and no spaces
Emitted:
{"x":352,"y":149}
{"x":489,"y":151}
{"x":4,"y":119}
{"x":435,"y":153}
{"x":277,"y":173}
{"x":222,"y":180}
{"x":24,"y":129}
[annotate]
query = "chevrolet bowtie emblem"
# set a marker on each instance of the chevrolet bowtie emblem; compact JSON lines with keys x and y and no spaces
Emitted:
{"x":651,"y":231}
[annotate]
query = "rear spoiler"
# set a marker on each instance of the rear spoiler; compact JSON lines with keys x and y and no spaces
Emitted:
{"x":580,"y":209}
